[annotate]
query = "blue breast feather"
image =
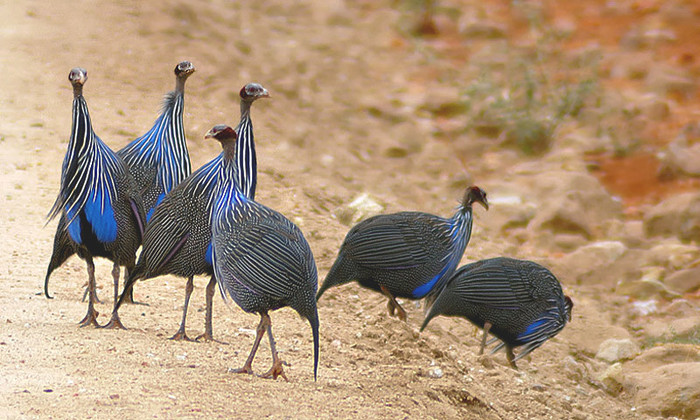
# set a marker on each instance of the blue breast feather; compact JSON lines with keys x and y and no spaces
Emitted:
{"x":100,"y":214}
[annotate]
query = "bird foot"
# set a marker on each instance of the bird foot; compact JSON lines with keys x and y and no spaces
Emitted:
{"x":90,"y":319}
{"x":180,"y":335}
{"x":207,"y":337}
{"x":247,"y":369}
{"x":276,"y":370}
{"x":131,"y":301}
{"x":114,"y":323}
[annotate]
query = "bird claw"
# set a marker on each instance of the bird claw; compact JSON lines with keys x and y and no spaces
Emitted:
{"x":180,"y":335}
{"x":276,"y":371}
{"x":245,"y":369}
{"x":207,"y":337}
{"x":90,"y":319}
{"x":114,"y":323}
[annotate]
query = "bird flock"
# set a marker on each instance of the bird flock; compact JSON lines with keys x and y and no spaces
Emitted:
{"x":207,"y":222}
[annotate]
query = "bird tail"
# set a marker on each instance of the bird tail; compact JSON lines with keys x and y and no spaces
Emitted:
{"x":434,"y":309}
{"x":334,"y":277}
{"x":313,"y":320}
{"x":62,"y":250}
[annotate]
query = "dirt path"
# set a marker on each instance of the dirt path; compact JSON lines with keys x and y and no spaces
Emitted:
{"x":326,"y":64}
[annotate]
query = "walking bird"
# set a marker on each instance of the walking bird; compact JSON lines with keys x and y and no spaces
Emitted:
{"x":519,"y":302}
{"x":101,"y":213}
{"x":260,"y":258}
{"x":406,"y":254}
{"x":178,"y":237}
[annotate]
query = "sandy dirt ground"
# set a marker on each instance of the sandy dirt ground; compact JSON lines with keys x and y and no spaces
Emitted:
{"x":326,"y":64}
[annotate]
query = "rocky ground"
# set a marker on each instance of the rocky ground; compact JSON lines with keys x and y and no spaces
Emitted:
{"x":580,"y":119}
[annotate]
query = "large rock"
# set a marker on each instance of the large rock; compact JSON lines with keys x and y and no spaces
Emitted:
{"x":572,"y":202}
{"x":670,"y":390}
{"x":681,"y":328}
{"x":676,"y":216}
{"x":590,"y":264}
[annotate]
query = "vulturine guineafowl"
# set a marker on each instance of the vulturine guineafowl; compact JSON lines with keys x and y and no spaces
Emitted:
{"x":260,"y":258}
{"x":406,"y":254}
{"x":101,"y":213}
{"x":519,"y":302}
{"x":178,"y":237}
{"x":159,"y":159}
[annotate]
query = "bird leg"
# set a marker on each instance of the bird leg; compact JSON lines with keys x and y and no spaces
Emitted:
{"x":487,"y":327}
{"x":85,"y":294}
{"x":510,"y":357}
{"x":115,"y":322}
{"x":91,"y":316}
{"x":130,"y":297}
{"x":276,"y":369}
{"x":180,"y":334}
{"x":259,"y":332}
{"x":393,"y":305}
{"x":208,"y":330}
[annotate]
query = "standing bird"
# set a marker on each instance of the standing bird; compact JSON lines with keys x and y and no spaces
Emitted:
{"x":100,"y":208}
{"x":406,"y":254}
{"x":519,"y":302}
{"x":178,"y":237}
{"x":260,"y":258}
{"x":159,"y":159}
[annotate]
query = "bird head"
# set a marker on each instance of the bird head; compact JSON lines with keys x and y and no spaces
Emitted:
{"x":77,"y":76}
{"x":222,"y":133}
{"x":184,"y":69}
{"x":473,"y":195}
{"x":253,"y":91}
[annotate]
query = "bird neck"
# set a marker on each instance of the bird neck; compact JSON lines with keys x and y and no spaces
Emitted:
{"x":81,"y":130}
{"x":462,"y":222}
{"x":180,"y":84}
{"x":77,"y":91}
{"x":245,"y":109}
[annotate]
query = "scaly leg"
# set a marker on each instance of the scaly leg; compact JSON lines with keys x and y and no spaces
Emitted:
{"x":487,"y":327}
{"x":276,"y":369}
{"x":115,"y":322}
{"x":85,"y":294}
{"x":180,"y":334}
{"x":259,"y":332}
{"x":393,"y":304}
{"x":91,"y":316}
{"x":208,"y":330}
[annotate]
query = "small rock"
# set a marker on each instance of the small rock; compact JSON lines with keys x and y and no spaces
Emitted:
{"x":644,"y":307}
{"x":614,"y":350}
{"x":435,"y":372}
{"x":359,"y":209}
{"x":612,"y":378}
{"x":684,"y":281}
